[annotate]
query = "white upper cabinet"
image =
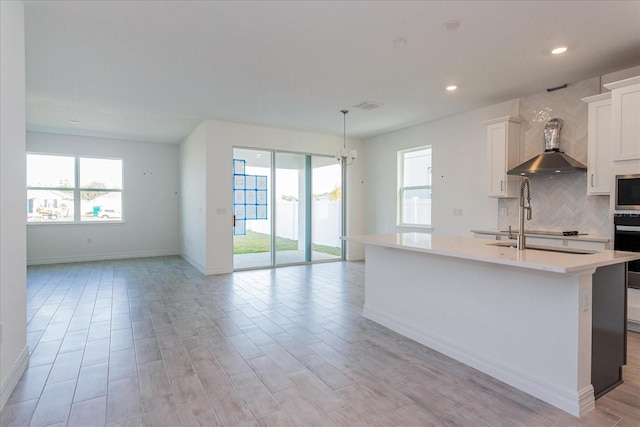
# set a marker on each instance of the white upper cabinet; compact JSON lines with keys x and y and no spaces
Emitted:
{"x":503,"y":148}
{"x":625,"y":118}
{"x":599,"y":165}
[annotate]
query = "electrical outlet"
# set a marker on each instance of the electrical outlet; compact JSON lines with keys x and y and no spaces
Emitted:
{"x":457,"y":212}
{"x":585,"y":301}
{"x":504,"y":211}
{"x":221,"y":211}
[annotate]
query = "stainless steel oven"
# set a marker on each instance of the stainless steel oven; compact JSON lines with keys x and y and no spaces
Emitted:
{"x":627,"y":238}
{"x":628,"y":192}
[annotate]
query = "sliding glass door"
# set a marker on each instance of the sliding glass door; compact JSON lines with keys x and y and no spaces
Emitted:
{"x":287,"y":208}
{"x":291,"y":208}
{"x":252,"y":212}
{"x":326,"y":206}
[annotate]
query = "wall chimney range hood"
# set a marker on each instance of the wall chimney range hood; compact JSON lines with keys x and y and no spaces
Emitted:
{"x":552,"y":161}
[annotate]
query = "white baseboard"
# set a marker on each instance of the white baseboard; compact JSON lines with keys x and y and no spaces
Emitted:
{"x":202,"y":269}
{"x":576,"y":403}
{"x":101,"y":257}
{"x":12,"y":378}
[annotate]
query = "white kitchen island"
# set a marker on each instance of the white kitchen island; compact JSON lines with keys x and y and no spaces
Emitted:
{"x":523,"y":317}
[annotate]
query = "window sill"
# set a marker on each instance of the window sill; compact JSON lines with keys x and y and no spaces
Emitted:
{"x":67,"y":223}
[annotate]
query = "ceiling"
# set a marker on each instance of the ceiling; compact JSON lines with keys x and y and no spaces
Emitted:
{"x":153,"y":70}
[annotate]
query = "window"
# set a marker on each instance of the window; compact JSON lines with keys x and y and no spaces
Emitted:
{"x":73,"y":189}
{"x":414,"y":187}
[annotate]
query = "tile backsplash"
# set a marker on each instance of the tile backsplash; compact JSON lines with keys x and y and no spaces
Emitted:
{"x":559,"y":202}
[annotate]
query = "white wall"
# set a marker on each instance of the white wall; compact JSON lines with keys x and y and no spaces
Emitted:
{"x":150,"y":197}
{"x":193,"y":209}
{"x":14,"y":353}
{"x":220,"y":138}
{"x":459,"y":172}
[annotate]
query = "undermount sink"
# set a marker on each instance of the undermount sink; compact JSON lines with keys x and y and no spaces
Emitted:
{"x":561,"y":249}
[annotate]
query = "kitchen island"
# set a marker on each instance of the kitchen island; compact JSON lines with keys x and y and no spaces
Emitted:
{"x":523,"y":317}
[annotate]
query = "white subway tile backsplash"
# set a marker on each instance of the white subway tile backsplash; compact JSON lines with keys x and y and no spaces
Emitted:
{"x":559,"y":202}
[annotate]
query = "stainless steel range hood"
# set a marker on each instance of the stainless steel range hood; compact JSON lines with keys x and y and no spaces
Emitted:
{"x":553,"y":160}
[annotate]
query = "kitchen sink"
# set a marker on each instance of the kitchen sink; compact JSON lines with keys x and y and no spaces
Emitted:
{"x":560,"y":249}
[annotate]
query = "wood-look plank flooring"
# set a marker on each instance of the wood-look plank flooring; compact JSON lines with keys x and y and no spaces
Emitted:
{"x":153,"y":342}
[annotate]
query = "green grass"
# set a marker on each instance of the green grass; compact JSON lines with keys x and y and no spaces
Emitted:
{"x":253,"y":242}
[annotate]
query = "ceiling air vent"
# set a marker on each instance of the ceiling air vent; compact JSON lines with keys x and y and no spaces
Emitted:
{"x":367,"y":105}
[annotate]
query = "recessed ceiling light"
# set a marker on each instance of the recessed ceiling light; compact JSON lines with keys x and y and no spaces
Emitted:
{"x":559,"y":50}
{"x":451,"y":88}
{"x":399,"y":42}
{"x":451,"y":25}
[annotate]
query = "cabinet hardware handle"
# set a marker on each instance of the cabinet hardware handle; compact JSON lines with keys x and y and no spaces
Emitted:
{"x":501,"y":185}
{"x":592,"y":180}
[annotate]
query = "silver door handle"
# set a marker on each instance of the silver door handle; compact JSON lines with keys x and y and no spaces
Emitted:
{"x":628,"y":228}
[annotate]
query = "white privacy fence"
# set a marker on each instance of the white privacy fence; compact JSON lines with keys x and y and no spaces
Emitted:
{"x":417,"y":211}
{"x":325,"y":225}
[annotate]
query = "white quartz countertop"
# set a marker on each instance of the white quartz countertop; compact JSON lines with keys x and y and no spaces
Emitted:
{"x":482,"y":250}
{"x":583,"y":238}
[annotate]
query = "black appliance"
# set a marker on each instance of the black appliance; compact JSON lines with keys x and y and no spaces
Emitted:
{"x":628,"y":192}
{"x":627,"y":238}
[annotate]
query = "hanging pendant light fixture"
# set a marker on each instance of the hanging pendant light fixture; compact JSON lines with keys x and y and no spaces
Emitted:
{"x":344,"y":157}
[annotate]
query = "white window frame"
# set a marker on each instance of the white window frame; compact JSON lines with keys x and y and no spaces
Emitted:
{"x":402,"y":188}
{"x":77,"y":190}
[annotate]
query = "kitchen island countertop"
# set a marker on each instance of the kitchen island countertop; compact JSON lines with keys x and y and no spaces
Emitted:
{"x":579,"y":238}
{"x":482,"y":250}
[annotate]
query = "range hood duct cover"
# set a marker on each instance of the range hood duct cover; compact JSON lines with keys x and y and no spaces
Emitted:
{"x":553,"y":160}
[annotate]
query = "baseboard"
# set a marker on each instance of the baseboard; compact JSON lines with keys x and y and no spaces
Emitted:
{"x":16,"y":371}
{"x":202,"y":269}
{"x":101,"y":257}
{"x":633,"y":326}
{"x":576,"y":403}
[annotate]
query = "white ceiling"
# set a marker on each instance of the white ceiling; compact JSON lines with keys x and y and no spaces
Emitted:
{"x":153,"y":70}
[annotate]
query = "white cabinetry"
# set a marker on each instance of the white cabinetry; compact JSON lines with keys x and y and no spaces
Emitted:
{"x":503,"y":148}
{"x":599,"y":166}
{"x":625,"y":116}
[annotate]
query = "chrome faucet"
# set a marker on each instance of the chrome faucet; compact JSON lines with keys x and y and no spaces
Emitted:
{"x":521,"y":237}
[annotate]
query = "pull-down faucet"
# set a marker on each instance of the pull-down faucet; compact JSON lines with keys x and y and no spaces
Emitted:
{"x":521,"y":238}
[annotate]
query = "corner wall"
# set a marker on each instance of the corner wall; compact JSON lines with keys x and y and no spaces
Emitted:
{"x":193,"y":209}
{"x":150,"y":224}
{"x":14,"y":353}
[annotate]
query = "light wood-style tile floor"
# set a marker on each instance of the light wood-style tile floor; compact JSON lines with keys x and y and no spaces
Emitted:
{"x":153,"y":342}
